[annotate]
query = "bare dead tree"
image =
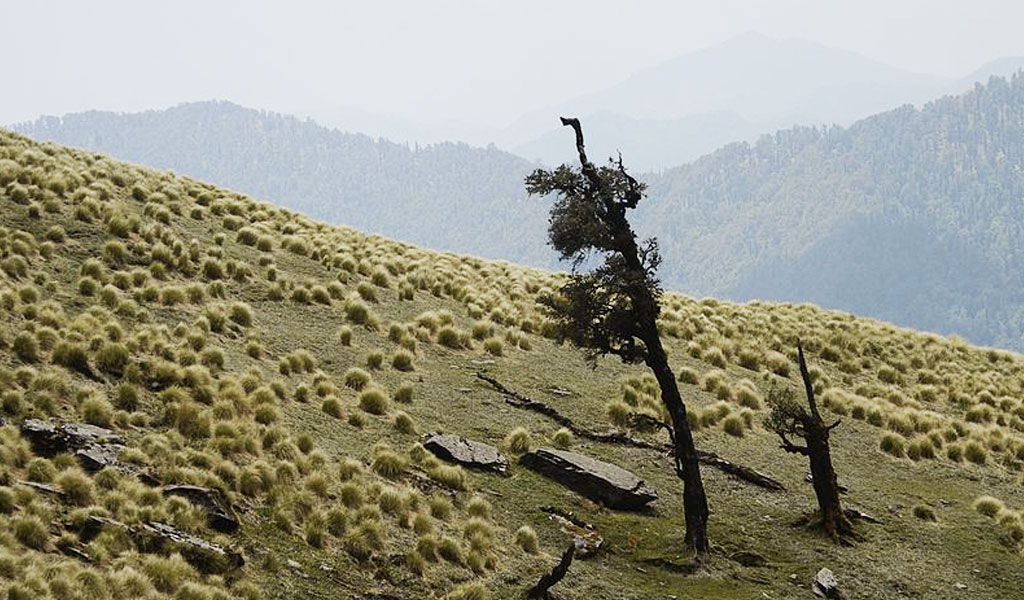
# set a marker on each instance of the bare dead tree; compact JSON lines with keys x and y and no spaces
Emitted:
{"x":789,"y":418}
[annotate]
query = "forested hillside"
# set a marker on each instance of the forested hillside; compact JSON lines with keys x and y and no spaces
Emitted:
{"x":913,"y":215}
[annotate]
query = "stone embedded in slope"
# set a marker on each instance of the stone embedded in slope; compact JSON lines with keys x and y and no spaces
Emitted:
{"x":99,"y":456}
{"x":469,"y":453}
{"x":826,"y":585}
{"x":160,"y":537}
{"x":49,"y":439}
{"x":602,"y":482}
{"x":201,"y":554}
{"x":219,"y":513}
{"x":95,"y":447}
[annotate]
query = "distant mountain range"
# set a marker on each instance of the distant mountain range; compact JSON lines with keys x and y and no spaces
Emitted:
{"x":676,"y":111}
{"x":912,"y":215}
{"x":689,"y":106}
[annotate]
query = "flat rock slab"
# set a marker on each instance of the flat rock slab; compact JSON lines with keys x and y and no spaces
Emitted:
{"x":153,"y":536}
{"x":49,"y":439}
{"x":469,"y":453}
{"x":602,"y":482}
{"x":219,"y":514}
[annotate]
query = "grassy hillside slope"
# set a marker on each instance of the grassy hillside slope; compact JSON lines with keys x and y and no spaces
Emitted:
{"x":911,"y":216}
{"x":294,"y":366}
{"x":450,"y":195}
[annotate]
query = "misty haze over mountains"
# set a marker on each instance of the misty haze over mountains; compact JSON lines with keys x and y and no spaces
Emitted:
{"x":678,"y":110}
{"x":912,"y":215}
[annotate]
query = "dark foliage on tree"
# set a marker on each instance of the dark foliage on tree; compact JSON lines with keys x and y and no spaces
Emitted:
{"x":612,"y":308}
{"x":789,"y":418}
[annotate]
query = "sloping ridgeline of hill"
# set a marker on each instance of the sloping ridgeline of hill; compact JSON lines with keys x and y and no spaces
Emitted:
{"x":913,"y":215}
{"x":449,"y":196}
{"x":293,"y":367}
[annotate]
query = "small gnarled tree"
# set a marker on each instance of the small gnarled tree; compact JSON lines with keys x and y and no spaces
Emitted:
{"x":789,"y":418}
{"x":612,"y":308}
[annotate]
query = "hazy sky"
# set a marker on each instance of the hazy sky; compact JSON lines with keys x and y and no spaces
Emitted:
{"x":486,"y":61}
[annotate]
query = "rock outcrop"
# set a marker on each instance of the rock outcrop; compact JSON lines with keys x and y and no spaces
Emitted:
{"x":602,"y":482}
{"x":468,"y":453}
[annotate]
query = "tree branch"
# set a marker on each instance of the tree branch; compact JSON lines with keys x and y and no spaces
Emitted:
{"x":548,"y":580}
{"x":792,"y":448}
{"x":615,"y":437}
{"x":585,"y":165}
{"x":575,"y":124}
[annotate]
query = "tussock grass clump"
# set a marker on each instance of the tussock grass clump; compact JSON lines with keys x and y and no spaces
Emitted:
{"x":240,"y":313}
{"x":332,"y":406}
{"x":976,"y":453}
{"x":356,"y":378}
{"x":375,"y":360}
{"x":988,"y":506}
{"x":494,"y":346}
{"x":404,"y":423}
{"x":96,"y":411}
{"x":478,"y":507}
{"x":451,"y":476}
{"x":72,"y":356}
{"x":468,"y":591}
{"x":389,"y":464}
{"x":519,"y":441}
{"x":449,"y":549}
{"x":345,"y":335}
{"x":31,"y":531}
{"x":402,"y":361}
{"x":563,"y":439}
{"x":925,"y":512}
{"x":921,"y":448}
{"x":404,"y":393}
{"x":526,"y":538}
{"x":169,"y":573}
{"x":450,"y":337}
{"x":715,"y":357}
{"x":374,"y":401}
{"x":26,"y":347}
{"x":619,"y":414}
{"x":357,"y":311}
{"x":734,"y":425}
{"x":778,"y":363}
{"x":749,"y":359}
{"x":77,"y":487}
{"x":893,"y":444}
{"x":688,"y":376}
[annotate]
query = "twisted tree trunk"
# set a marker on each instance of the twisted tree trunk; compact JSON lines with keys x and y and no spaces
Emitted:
{"x":695,"y":501}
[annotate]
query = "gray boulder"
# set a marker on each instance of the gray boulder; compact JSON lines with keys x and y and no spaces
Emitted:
{"x":49,"y":439}
{"x":469,"y":453}
{"x":602,"y":482}
{"x":95,"y":447}
{"x":826,"y":585}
